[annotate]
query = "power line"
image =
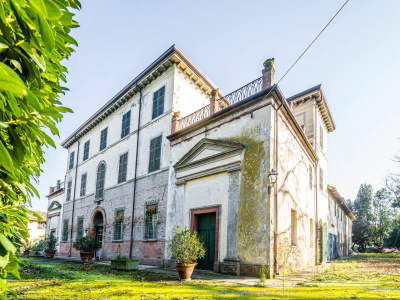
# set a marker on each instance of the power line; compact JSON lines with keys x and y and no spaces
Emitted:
{"x":313,"y":41}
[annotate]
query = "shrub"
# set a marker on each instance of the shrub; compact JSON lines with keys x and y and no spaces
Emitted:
{"x":186,"y":246}
{"x":39,"y":246}
{"x":121,"y":258}
{"x":87,"y":244}
{"x":50,"y":243}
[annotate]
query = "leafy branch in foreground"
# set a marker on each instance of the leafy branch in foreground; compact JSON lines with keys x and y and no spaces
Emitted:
{"x":34,"y":39}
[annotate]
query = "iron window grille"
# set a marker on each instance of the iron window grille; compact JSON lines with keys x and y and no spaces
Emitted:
{"x":126,"y":124}
{"x":158,"y":103}
{"x":86,"y":150}
{"x":310,"y":175}
{"x":155,"y":154}
{"x":65,"y":231}
{"x":71,"y":160}
{"x":151,"y":220}
{"x":79,"y":232}
{"x":69,"y":187}
{"x":103,"y":138}
{"x":119,"y":225}
{"x":321,"y":137}
{"x":83,"y":185}
{"x":321,"y":179}
{"x":123,"y":164}
{"x":101,"y":172}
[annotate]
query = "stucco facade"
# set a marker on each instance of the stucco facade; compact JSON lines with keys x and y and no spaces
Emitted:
{"x":55,"y":198}
{"x":213,"y":162}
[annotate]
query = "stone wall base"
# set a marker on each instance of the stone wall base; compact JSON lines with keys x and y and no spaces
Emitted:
{"x":231,"y":266}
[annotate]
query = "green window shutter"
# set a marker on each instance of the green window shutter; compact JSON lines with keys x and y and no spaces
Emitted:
{"x":101,"y":170}
{"x":83,"y":185}
{"x":65,"y":231}
{"x":155,"y":154}
{"x":86,"y":151}
{"x":126,"y":124}
{"x":69,"y":187}
{"x":123,"y":166}
{"x":71,"y":160}
{"x":79,"y":233}
{"x":103,"y":138}
{"x":158,"y":103}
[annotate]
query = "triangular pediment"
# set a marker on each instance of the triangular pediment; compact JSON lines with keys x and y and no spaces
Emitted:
{"x":54,"y":205}
{"x":209,"y":150}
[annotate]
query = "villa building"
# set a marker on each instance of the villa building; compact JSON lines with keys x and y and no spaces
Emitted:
{"x":247,"y":170}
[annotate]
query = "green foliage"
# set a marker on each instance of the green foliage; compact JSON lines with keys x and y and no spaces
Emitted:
{"x":39,"y":245}
{"x":263,"y":273}
{"x":383,"y":216}
{"x":121,"y":258}
{"x":50,"y":242}
{"x":186,"y":246}
{"x":87,"y":244}
{"x":362,"y":210}
{"x":34,"y":39}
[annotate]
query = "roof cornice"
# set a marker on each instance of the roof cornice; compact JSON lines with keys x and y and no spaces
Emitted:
{"x":173,"y":56}
{"x":339,"y":199}
{"x":318,"y":94}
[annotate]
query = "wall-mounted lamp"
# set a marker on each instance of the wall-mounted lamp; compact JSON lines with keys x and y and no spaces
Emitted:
{"x":273,"y":176}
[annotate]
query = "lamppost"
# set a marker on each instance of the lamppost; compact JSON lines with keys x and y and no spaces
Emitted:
{"x":273,"y":176}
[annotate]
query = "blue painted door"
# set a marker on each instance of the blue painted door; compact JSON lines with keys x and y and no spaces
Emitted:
{"x":332,"y":246}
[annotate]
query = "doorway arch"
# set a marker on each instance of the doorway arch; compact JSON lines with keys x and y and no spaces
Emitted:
{"x":97,"y":228}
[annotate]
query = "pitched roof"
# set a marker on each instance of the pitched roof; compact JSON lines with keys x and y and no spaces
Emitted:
{"x":317,"y":93}
{"x":339,"y":199}
{"x":173,"y":55}
{"x":42,"y":215}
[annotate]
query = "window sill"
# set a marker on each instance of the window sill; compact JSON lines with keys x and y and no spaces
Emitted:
{"x":117,"y":241}
{"x":150,"y":240}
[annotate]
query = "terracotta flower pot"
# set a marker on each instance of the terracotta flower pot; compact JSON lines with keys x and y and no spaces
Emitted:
{"x":50,"y":253}
{"x":86,"y":256}
{"x":185,"y":271}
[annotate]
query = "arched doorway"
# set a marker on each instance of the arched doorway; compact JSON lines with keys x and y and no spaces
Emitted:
{"x":99,"y":230}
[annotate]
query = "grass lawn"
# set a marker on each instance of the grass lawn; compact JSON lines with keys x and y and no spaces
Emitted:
{"x":368,"y":276}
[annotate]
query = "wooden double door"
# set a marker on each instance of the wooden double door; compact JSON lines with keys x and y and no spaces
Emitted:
{"x":206,"y":226}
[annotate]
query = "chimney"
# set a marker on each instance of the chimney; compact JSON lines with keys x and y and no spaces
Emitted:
{"x":58,"y":184}
{"x":268,"y":73}
{"x":175,"y":121}
{"x":51,"y":190}
{"x":213,"y":99}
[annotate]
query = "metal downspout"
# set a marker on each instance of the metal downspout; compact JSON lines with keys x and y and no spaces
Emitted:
{"x":276,"y":190}
{"x":135,"y":177}
{"x":73,"y":200}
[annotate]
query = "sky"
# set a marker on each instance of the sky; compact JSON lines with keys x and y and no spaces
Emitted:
{"x":357,"y":61}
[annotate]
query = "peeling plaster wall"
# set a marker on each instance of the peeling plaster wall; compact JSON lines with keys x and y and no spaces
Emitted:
{"x":253,"y":246}
{"x":294,"y":193}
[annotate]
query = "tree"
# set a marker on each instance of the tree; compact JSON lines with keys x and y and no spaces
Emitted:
{"x":34,"y":39}
{"x":362,"y":210}
{"x":383,"y":215}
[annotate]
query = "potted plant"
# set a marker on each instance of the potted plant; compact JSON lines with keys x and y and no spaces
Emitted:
{"x":50,"y":244}
{"x":37,"y":249}
{"x":87,"y":245}
{"x":124,"y":263}
{"x":186,"y":248}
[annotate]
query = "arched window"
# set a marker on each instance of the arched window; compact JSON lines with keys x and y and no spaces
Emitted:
{"x":101,"y":173}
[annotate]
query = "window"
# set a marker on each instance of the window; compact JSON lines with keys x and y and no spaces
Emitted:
{"x":335,"y":208}
{"x":158,"y":102}
{"x":86,"y":151}
{"x":150,"y":226}
{"x":79,"y":232}
{"x":71,"y":160}
{"x":321,"y":179}
{"x":310,"y":175}
{"x":293,"y":227}
{"x":65,"y":231}
{"x":155,"y":153}
{"x":123,"y":162}
{"x":69,"y":187}
{"x":83,"y":185}
{"x":126,"y":124}
{"x":119,"y":225}
{"x":101,"y":172}
{"x":103,"y":139}
{"x":321,"y":137}
{"x":311,"y":232}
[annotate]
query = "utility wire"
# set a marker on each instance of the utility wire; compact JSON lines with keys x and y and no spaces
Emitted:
{"x":326,"y":26}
